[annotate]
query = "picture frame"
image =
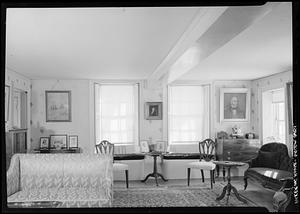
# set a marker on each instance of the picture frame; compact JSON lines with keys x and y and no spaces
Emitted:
{"x":234,"y":104}
{"x":7,"y":99}
{"x":44,"y":143}
{"x":161,"y":146}
{"x":153,"y":110}
{"x":144,"y":145}
{"x":58,"y":106}
{"x":58,"y":141}
{"x":73,"y":141}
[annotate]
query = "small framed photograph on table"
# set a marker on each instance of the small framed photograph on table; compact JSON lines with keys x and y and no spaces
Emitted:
{"x":73,"y":141}
{"x":144,"y":146}
{"x":44,"y":143}
{"x":58,"y":141}
{"x":161,"y":146}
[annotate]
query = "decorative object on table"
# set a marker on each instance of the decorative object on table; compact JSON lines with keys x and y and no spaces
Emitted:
{"x":153,"y":110}
{"x":58,"y":106}
{"x":107,"y":148}
{"x":7,"y":96}
{"x":234,"y":104}
{"x":222,"y":134}
{"x":250,"y":135}
{"x":207,"y":150}
{"x":73,"y":141}
{"x":160,"y":146}
{"x":144,"y":146}
{"x":236,"y":132}
{"x":44,"y":143}
{"x":58,"y":141}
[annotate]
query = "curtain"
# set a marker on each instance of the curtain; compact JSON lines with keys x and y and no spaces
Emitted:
{"x":116,"y":113}
{"x":188,"y":114}
{"x":289,"y":104}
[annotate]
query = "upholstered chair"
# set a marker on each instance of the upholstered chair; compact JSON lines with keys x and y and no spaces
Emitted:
{"x":270,"y":166}
{"x":207,"y":149}
{"x":106,"y":147}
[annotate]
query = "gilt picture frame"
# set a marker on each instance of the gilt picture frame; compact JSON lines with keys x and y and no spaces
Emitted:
{"x":58,"y":142}
{"x":58,"y":106}
{"x":73,"y":141}
{"x":234,"y":104}
{"x":44,"y":143}
{"x":153,"y":110}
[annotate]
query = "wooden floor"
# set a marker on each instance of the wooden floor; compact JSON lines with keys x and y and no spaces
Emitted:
{"x":254,"y":192}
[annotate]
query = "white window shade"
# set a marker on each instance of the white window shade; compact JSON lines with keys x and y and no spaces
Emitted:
{"x":116,"y":111}
{"x":188,"y":114}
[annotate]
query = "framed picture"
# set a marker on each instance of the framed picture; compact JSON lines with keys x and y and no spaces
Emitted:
{"x":153,"y":110}
{"x":73,"y":141}
{"x":44,"y":143}
{"x":58,"y":141}
{"x":7,"y":95}
{"x":161,"y":146}
{"x":144,"y":146}
{"x":234,"y":104}
{"x":58,"y":106}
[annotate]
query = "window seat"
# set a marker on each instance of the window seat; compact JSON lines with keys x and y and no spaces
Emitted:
{"x":180,"y":156}
{"x":130,"y":156}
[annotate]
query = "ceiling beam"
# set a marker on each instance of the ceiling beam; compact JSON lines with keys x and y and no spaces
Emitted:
{"x":203,"y":20}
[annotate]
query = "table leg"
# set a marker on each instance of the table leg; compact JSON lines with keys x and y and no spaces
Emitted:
{"x":162,"y":177}
{"x":222,"y":194}
{"x":151,"y":174}
{"x":238,"y":195}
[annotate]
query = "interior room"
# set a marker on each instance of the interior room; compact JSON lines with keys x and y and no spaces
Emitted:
{"x":149,"y":107}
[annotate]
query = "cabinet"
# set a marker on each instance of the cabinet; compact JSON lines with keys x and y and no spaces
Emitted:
{"x":75,"y":150}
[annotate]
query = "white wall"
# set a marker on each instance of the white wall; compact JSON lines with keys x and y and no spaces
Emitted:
{"x":80,"y":112}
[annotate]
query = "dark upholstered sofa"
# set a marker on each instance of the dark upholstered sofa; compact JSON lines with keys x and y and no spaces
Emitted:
{"x":271,"y":164}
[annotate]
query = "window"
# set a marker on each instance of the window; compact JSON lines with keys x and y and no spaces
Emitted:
{"x":116,"y":111}
{"x":274,"y":115}
{"x":188,"y":114}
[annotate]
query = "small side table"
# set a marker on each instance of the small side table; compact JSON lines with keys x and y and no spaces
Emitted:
{"x":229,"y":187}
{"x":154,"y":174}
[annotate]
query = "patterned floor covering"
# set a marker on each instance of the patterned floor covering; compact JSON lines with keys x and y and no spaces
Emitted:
{"x":175,"y":196}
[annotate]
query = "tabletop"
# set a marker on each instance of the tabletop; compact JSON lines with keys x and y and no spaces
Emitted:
{"x":229,"y":163}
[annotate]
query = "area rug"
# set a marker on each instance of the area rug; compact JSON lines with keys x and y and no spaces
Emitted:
{"x":176,"y":196}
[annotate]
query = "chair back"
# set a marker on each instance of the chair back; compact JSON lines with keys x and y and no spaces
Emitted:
{"x":207,"y":149}
{"x":105,"y":148}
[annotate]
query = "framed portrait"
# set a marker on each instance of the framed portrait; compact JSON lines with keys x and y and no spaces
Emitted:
{"x":7,"y":95}
{"x":58,"y":106}
{"x":161,"y":146}
{"x":153,"y":110}
{"x":73,"y":141}
{"x":144,"y":146}
{"x":58,"y":141}
{"x":234,"y":104}
{"x":44,"y":143}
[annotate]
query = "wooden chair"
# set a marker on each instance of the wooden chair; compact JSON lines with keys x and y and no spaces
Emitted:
{"x":207,"y":149}
{"x":105,"y":147}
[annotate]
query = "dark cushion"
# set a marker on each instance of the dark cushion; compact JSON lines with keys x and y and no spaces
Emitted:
{"x":268,"y":159}
{"x":176,"y":156}
{"x":132,"y":156}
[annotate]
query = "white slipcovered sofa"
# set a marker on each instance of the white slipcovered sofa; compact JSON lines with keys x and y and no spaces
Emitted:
{"x":76,"y":180}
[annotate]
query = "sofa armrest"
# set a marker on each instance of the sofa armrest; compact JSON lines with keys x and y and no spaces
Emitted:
{"x":13,"y":175}
{"x":252,"y":162}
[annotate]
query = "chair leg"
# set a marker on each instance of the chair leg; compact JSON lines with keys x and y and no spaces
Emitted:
{"x":202,"y":174}
{"x":213,"y":172}
{"x":188,"y":175}
{"x":211,"y":179}
{"x":245,"y":183}
{"x":126,"y":174}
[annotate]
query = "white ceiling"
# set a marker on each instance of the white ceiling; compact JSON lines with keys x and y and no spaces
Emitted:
{"x":130,"y":43}
{"x":263,"y":49}
{"x":92,"y":43}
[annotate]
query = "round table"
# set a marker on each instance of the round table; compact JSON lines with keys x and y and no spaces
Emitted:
{"x":154,"y":174}
{"x":229,"y":187}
